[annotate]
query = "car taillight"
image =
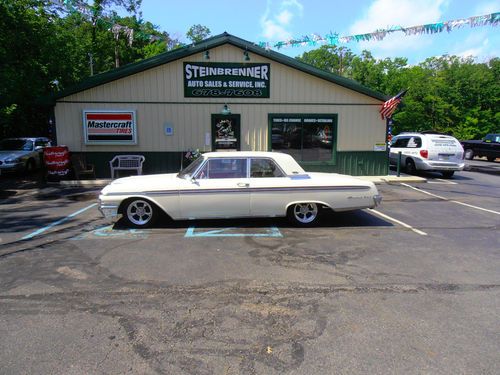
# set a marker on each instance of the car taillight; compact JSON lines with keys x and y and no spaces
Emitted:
{"x":424,"y":153}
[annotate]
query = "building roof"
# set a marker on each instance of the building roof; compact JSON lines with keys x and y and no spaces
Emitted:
{"x":213,"y":42}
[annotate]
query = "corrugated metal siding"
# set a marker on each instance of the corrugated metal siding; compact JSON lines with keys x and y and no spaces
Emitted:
{"x":191,"y":122}
{"x":158,"y":97}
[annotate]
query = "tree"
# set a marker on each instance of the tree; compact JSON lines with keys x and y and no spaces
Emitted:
{"x":333,"y":59}
{"x":197,"y":33}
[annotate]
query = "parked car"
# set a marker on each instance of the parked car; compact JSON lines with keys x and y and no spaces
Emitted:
{"x":489,"y":146}
{"x":22,"y":154}
{"x":428,"y":151}
{"x":236,"y":184}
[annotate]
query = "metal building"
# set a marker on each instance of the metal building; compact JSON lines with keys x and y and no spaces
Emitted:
{"x":223,"y":93}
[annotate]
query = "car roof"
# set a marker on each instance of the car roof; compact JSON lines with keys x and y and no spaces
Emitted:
{"x":430,"y":135}
{"x":285,"y":161}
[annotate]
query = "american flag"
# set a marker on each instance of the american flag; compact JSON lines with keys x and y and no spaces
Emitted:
{"x":390,"y":106}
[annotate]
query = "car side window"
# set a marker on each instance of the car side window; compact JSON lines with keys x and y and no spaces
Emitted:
{"x":414,"y":142}
{"x":41,"y":142}
{"x":400,"y":142}
{"x":264,"y":168}
{"x":28,"y":146}
{"x":223,"y":168}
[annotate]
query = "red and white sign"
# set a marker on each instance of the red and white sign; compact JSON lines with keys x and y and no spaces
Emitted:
{"x":109,"y":127}
{"x":56,"y":159}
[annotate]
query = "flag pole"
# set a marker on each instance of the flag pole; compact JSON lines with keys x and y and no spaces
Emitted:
{"x":388,"y":138}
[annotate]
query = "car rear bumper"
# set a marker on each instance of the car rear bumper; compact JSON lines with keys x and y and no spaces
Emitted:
{"x":428,"y":165}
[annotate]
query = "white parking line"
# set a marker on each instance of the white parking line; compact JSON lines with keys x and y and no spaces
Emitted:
{"x":441,"y":181}
{"x":450,"y":200}
{"x":398,"y":222}
{"x":64,"y":219}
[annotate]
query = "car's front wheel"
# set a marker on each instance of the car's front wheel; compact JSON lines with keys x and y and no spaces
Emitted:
{"x":448,"y":174}
{"x":30,"y":166}
{"x":139,"y":213}
{"x":304,"y":214}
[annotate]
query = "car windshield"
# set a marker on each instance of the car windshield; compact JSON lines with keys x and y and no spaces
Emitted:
{"x":16,"y":145}
{"x":189,"y":170}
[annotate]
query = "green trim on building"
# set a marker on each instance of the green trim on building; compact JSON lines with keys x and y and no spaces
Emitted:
{"x":156,"y":162}
{"x":204,"y":45}
{"x":355,"y":163}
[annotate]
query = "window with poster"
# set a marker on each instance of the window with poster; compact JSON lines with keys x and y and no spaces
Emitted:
{"x":307,"y":137}
{"x":226,"y":132}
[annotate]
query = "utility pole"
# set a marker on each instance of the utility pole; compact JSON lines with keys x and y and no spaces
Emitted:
{"x":91,"y":63}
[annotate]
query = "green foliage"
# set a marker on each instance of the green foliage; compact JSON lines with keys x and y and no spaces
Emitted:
{"x":197,"y":33}
{"x":448,"y":94}
{"x":333,"y":59}
{"x":46,"y":46}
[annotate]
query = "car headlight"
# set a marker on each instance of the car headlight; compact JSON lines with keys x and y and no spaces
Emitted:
{"x":12,"y":161}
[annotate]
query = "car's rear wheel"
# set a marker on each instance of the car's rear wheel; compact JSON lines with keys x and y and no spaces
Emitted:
{"x":139,"y":213}
{"x":447,"y":174}
{"x":304,"y":214}
{"x":468,"y":154}
{"x":410,"y":167}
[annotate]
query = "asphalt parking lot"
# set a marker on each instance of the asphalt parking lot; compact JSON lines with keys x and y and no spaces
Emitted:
{"x":412,"y":287}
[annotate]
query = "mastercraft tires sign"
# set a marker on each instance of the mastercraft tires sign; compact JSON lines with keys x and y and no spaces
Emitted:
{"x":109,"y":127}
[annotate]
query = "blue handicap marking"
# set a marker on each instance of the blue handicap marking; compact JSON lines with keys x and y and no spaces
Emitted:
{"x":109,"y":232}
{"x":234,"y":232}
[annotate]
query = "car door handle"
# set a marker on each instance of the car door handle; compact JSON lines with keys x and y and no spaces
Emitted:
{"x":243,"y":184}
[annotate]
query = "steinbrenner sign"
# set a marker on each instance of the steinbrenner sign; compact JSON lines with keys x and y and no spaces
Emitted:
{"x":226,"y":80}
{"x":109,"y":127}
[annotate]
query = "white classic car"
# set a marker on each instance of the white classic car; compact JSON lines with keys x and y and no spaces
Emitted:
{"x":236,"y":184}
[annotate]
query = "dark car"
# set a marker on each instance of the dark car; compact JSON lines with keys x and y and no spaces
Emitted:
{"x":489,"y":147}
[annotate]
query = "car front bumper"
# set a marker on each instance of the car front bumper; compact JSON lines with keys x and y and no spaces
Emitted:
{"x":107,"y":209}
{"x":11,"y":166}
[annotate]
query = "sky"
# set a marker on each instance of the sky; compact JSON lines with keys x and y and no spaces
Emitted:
{"x":278,"y":20}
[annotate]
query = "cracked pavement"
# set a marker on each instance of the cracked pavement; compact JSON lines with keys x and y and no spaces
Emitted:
{"x":357,"y":295}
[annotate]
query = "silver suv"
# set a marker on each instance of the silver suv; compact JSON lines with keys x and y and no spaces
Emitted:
{"x":428,"y":152}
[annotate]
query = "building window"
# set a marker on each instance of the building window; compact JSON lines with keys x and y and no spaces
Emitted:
{"x":306,"y":137}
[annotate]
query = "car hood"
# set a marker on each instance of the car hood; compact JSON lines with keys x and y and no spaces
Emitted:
{"x":138,"y":184}
{"x":12,"y":154}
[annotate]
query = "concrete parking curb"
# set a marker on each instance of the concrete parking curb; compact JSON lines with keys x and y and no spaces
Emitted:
{"x":393,"y":179}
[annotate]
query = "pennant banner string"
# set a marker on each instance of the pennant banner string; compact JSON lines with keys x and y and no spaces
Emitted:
{"x":492,"y":19}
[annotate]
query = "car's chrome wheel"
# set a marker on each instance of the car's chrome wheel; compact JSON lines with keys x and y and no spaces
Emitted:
{"x":140,"y":213}
{"x":304,"y":214}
